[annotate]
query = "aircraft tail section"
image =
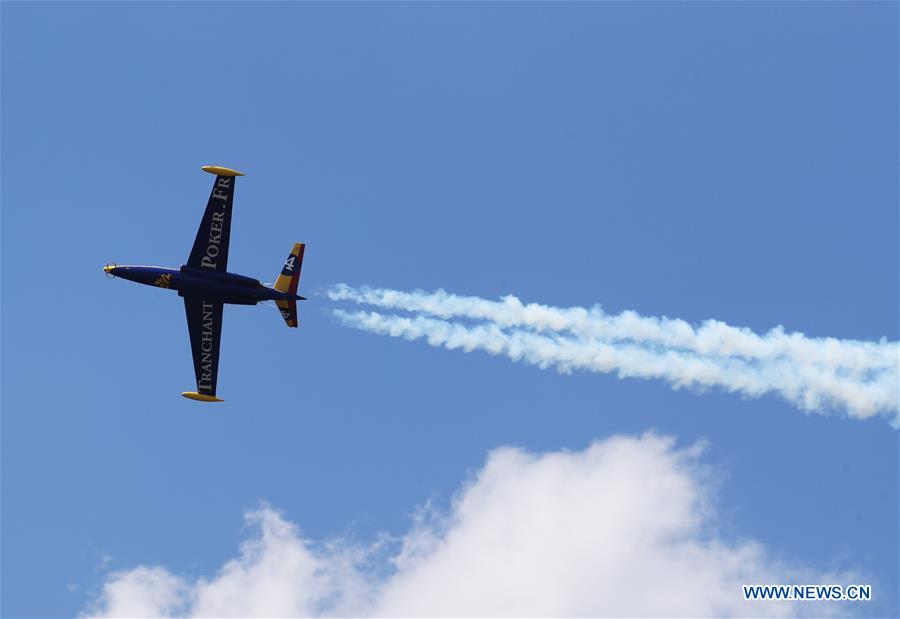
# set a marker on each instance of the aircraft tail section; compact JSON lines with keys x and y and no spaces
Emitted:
{"x":287,"y":281}
{"x":289,"y":278}
{"x":288,"y":311}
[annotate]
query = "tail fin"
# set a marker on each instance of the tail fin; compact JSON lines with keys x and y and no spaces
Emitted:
{"x":288,"y":311}
{"x":288,"y":281}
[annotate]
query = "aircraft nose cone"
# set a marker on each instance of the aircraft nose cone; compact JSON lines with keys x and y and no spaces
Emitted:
{"x":110,"y":269}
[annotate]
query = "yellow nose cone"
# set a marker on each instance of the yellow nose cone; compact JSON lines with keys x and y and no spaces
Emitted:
{"x":108,"y":268}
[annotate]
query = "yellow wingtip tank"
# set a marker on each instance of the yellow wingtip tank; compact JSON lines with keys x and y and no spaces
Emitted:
{"x":201,"y":397}
{"x":220,"y":171}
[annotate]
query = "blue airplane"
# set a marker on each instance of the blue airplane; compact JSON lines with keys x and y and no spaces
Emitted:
{"x":207,"y":286}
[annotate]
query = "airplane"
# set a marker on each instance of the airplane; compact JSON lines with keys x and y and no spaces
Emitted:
{"x":207,"y":286}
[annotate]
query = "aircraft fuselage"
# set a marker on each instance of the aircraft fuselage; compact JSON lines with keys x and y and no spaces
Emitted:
{"x":225,"y":287}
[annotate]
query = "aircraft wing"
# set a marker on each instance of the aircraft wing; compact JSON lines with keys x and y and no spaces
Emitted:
{"x":204,"y":318}
{"x":210,"y":251}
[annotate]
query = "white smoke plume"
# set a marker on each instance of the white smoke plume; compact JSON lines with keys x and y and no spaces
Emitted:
{"x":820,"y":375}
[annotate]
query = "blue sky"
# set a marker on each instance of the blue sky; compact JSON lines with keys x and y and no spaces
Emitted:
{"x":692,"y":160}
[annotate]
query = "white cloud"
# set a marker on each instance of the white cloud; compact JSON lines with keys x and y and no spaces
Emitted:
{"x":142,"y":592}
{"x":626,"y":527}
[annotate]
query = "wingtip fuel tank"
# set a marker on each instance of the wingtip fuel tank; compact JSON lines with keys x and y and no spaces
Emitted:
{"x":220,"y":171}
{"x":201,"y":397}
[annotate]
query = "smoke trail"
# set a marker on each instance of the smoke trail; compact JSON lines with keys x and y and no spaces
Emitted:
{"x":814,"y":374}
{"x":711,"y":338}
